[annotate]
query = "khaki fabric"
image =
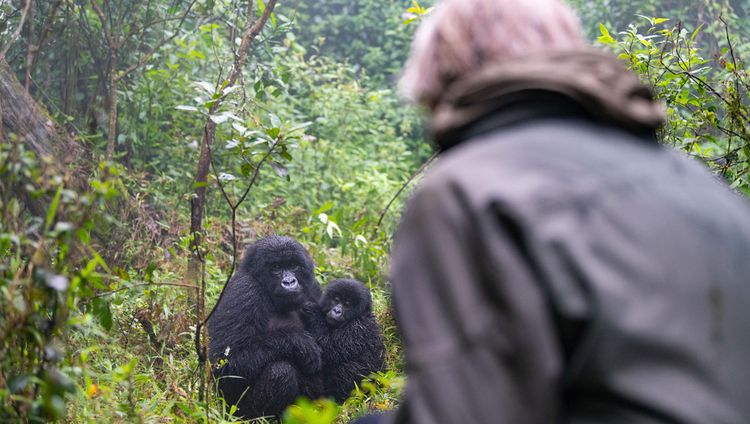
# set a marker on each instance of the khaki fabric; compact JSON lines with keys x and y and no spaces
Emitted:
{"x":596,"y":80}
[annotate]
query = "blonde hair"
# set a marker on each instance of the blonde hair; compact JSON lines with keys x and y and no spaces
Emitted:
{"x":462,"y":36}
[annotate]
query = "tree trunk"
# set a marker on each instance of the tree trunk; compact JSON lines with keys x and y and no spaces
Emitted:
{"x":30,"y":48}
{"x":197,"y":204}
{"x":196,"y":263}
{"x":22,"y":117}
{"x":112,"y":132}
{"x":24,"y":120}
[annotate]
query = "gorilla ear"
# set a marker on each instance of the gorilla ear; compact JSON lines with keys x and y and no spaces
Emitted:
{"x":249,"y":252}
{"x":367,"y":305}
{"x":366,"y":298}
{"x":250,"y":257}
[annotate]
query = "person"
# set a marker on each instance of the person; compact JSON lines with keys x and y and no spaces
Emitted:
{"x":557,"y":265}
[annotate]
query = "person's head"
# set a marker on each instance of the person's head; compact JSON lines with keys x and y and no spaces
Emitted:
{"x":461,"y":36}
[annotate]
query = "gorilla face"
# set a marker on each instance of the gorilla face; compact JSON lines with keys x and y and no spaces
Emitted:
{"x":285,"y":280}
{"x":345,"y":300}
{"x":284,"y":269}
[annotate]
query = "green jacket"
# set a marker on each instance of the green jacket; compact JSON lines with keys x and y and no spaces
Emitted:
{"x":558,"y":266}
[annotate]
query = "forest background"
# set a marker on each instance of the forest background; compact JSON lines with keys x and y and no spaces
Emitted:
{"x":143,"y":144}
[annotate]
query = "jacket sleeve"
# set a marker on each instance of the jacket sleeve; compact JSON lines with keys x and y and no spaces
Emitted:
{"x":478,"y":339}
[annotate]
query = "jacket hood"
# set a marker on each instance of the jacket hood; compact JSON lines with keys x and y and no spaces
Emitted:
{"x":595,"y":82}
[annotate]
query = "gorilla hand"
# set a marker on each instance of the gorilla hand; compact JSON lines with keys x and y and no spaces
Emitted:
{"x":306,"y":354}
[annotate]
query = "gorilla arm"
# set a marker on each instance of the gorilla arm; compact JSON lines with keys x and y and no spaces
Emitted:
{"x":250,"y":344}
{"x":298,"y":348}
{"x":355,"y":339}
{"x":333,"y":342}
{"x":295,"y":345}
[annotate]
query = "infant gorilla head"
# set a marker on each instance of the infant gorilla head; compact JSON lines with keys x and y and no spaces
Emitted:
{"x":344,"y":300}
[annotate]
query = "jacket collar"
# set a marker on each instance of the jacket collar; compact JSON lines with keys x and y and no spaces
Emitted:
{"x":584,"y":84}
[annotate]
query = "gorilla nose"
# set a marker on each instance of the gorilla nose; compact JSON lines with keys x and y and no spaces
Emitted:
{"x":336,"y":311}
{"x":289,"y":282}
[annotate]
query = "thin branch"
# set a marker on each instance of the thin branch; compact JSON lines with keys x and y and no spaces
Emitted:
{"x":204,"y":163}
{"x":699,"y":81}
{"x":234,"y":214}
{"x":161,"y":44}
{"x":400,"y":190}
{"x":35,"y":47}
{"x":17,"y":32}
{"x":132,"y":286}
{"x":105,"y":23}
{"x":251,"y":33}
{"x":734,"y":73}
{"x":233,"y":207}
{"x":139,"y":30}
{"x":729,"y":132}
{"x":49,"y":21}
{"x":200,"y":348}
{"x":729,"y":42}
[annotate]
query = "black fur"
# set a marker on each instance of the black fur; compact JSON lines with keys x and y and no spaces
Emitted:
{"x":258,"y":342}
{"x":348,"y":334}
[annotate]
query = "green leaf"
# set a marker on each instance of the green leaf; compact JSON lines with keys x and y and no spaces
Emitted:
{"x":206,"y":86}
{"x":324,"y":207}
{"x":63,"y":227}
{"x":280,"y":169}
{"x":299,"y":127}
{"x":331,"y":227}
{"x":219,"y":119}
{"x":229,"y":90}
{"x":84,"y":235}
{"x":102,"y":313}
{"x":225,"y":177}
{"x":53,"y":208}
{"x":695,"y":33}
{"x":150,"y":271}
{"x":275,"y":121}
{"x":239,"y":128}
{"x":605,"y":38}
{"x":273,"y":132}
{"x":223,"y":117}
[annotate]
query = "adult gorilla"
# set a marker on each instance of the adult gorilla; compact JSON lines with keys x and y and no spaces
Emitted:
{"x":258,"y":343}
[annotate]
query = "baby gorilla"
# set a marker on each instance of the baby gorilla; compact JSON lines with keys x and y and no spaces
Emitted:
{"x":345,"y":328}
{"x":265,"y":357}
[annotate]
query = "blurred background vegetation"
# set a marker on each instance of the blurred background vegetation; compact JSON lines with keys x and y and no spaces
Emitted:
{"x":109,"y":106}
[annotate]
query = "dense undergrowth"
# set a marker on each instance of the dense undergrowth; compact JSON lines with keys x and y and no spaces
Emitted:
{"x":98,"y":317}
